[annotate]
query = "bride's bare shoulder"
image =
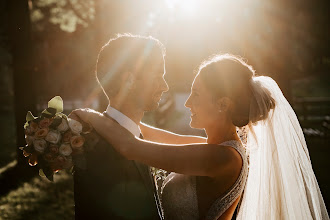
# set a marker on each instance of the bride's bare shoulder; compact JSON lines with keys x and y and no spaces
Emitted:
{"x":234,"y":163}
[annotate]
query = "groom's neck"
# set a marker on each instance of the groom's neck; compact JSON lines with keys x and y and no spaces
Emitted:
{"x":131,"y":111}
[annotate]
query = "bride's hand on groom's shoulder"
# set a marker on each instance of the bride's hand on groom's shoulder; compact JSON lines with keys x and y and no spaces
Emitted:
{"x":84,"y":116}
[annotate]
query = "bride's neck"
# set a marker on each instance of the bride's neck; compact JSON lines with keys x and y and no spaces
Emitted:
{"x":220,"y":133}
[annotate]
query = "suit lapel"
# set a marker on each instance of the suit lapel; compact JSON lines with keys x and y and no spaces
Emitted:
{"x":150,"y":185}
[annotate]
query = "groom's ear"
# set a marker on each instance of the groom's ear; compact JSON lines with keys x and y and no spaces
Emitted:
{"x":128,"y":80}
{"x":224,"y":104}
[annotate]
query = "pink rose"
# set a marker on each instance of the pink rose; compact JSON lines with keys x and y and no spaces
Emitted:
{"x":58,"y":163}
{"x":67,"y":136}
{"x":53,"y":149}
{"x":49,"y":157}
{"x":29,"y":140}
{"x":31,"y":128}
{"x":41,"y":133}
{"x":77,"y":141}
{"x":60,"y":159}
{"x":44,"y":123}
{"x":61,"y":162}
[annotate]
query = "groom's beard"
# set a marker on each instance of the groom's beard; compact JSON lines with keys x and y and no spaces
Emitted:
{"x":150,"y":103}
{"x":154,"y":102}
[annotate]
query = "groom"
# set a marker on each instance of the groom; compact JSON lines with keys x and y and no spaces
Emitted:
{"x":130,"y":70}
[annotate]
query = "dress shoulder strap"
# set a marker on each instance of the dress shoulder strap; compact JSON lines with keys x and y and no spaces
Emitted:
{"x":237,"y":145}
{"x":227,"y":199}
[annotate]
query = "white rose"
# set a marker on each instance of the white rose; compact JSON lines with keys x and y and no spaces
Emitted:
{"x":39,"y":145}
{"x":75,"y":126}
{"x":65,"y":149}
{"x":63,"y":126}
{"x":29,"y":139}
{"x":53,"y":136}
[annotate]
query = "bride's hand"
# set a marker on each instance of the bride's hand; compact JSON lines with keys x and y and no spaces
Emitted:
{"x":86,"y":115}
{"x":108,"y":129}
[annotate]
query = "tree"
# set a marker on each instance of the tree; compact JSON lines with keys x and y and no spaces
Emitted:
{"x":63,"y":14}
{"x":19,"y":29}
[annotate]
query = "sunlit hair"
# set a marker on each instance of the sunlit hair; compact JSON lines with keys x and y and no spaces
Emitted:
{"x":227,"y":75}
{"x":126,"y":53}
{"x":226,"y":56}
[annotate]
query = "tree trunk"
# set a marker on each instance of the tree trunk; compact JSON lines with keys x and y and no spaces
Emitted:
{"x":19,"y":31}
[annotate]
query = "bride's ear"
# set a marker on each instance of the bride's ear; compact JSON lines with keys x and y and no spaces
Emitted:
{"x":224,"y":104}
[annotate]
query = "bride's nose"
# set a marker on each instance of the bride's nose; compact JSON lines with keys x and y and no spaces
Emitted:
{"x":188,"y":102}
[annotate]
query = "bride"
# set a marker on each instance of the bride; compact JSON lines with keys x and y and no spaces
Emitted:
{"x":209,"y":176}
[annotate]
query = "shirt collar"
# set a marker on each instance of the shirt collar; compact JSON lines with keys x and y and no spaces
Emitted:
{"x":124,"y":121}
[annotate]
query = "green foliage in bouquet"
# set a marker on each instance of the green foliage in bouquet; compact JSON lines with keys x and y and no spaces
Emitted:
{"x":54,"y":141}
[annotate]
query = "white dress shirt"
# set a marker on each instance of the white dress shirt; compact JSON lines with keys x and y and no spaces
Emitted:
{"x":124,"y":121}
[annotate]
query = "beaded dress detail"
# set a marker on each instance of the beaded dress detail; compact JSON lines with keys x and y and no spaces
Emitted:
{"x":179,"y":196}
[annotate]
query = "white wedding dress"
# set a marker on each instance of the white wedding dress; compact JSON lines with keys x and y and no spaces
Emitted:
{"x":179,"y":196}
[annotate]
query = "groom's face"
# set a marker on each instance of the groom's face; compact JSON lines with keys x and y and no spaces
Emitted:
{"x":151,"y":85}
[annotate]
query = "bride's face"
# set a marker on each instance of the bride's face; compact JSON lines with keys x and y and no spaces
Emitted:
{"x":202,"y":106}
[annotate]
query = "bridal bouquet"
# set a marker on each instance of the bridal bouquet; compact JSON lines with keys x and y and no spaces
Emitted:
{"x":53,"y":141}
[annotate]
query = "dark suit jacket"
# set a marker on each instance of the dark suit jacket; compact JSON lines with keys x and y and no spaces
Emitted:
{"x":112,"y":187}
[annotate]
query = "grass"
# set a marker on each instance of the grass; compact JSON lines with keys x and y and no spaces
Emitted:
{"x":40,"y":199}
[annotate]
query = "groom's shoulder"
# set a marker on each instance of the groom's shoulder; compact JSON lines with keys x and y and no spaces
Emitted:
{"x":96,"y":144}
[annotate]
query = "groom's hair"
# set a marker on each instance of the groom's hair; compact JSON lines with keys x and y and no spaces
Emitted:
{"x":126,"y":53}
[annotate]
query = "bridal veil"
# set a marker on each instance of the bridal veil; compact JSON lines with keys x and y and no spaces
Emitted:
{"x":281,"y":184}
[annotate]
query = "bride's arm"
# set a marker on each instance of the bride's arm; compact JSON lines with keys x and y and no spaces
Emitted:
{"x":162,"y":136}
{"x":194,"y":159}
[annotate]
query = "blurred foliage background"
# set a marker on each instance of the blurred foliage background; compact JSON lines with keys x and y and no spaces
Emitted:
{"x":49,"y":47}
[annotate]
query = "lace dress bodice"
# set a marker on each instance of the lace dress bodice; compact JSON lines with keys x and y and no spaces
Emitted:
{"x":179,"y":196}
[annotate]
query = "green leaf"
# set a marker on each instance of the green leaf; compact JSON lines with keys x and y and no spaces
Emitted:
{"x":49,"y":173}
{"x":29,"y":116}
{"x":56,"y":122}
{"x":56,"y":103}
{"x":48,"y":112}
{"x":26,"y":125}
{"x":60,"y":114}
{"x":41,"y":173}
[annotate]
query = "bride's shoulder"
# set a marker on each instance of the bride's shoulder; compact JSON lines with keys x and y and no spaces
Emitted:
{"x":235,"y":145}
{"x":230,"y":161}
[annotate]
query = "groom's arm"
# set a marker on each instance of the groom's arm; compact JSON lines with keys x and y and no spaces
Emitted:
{"x":162,"y":136}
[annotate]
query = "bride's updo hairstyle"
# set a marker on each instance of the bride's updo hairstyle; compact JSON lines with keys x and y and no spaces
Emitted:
{"x":226,"y":75}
